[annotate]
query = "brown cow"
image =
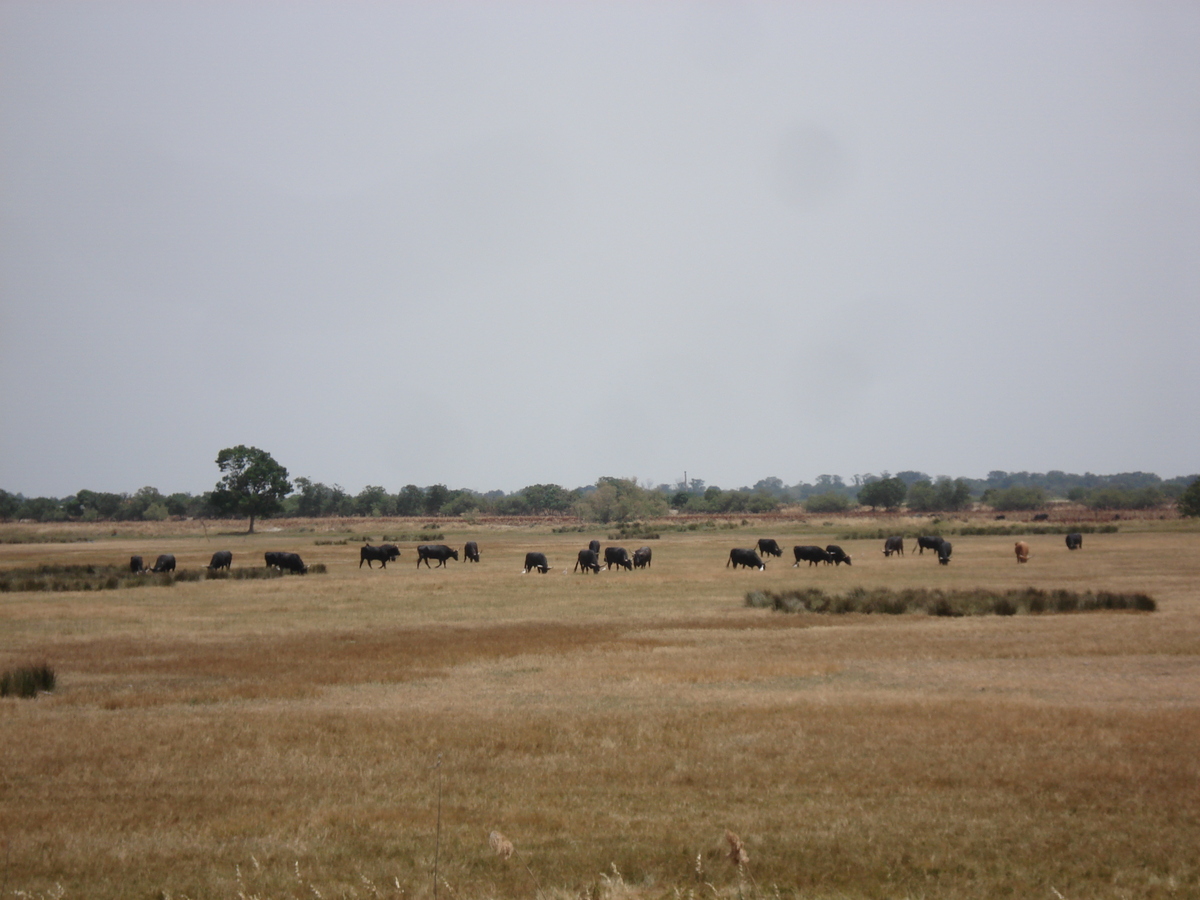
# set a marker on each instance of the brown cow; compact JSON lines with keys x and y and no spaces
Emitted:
{"x":1022,"y":552}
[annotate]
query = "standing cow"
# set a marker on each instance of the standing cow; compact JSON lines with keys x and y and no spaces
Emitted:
{"x":1074,"y":540}
{"x":594,"y":546}
{"x":1022,"y":549}
{"x":440,"y":552}
{"x":893,"y":545}
{"x":747,"y":558}
{"x":286,"y":562}
{"x":943,"y":552}
{"x":928,"y":542}
{"x":769,"y":547}
{"x":837,"y":554}
{"x":588,"y":560}
{"x":136,"y":566}
{"x":164,"y":563}
{"x":383,"y":554}
{"x":471,"y":552}
{"x":619,"y":557}
{"x":222,"y":559}
{"x":811,"y":554}
{"x":641,"y":557}
{"x":537,"y":561}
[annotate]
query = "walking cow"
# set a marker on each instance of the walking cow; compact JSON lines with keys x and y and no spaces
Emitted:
{"x":440,"y":552}
{"x":384,"y":554}
{"x":811,"y":554}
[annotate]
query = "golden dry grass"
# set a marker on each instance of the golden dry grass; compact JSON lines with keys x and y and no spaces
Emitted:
{"x":272,"y":737}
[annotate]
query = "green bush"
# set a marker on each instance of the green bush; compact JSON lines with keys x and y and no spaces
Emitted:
{"x":829,"y":502}
{"x":1189,"y":500}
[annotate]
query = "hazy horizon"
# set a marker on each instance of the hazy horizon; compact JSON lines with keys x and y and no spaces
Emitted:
{"x":492,"y":245}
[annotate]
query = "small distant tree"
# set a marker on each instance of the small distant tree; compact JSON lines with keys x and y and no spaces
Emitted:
{"x":254,"y":484}
{"x":887,"y":492}
{"x":1189,"y":500}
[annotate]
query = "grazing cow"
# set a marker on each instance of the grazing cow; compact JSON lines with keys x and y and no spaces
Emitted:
{"x":1074,"y":540}
{"x":930,"y":542}
{"x":595,"y":547}
{"x":588,"y":560}
{"x":536,"y":561}
{"x":893,"y":545}
{"x":1041,"y":517}
{"x":1022,"y":549}
{"x":164,"y":563}
{"x":641,"y":557}
{"x":384,"y":554}
{"x":943,"y":552}
{"x":769,"y":546}
{"x":747,"y":558}
{"x":222,"y":559}
{"x":813,"y":554}
{"x":471,"y":552}
{"x":440,"y":552}
{"x":839,"y":555}
{"x":286,"y":562}
{"x":136,"y":566}
{"x":617,"y":556}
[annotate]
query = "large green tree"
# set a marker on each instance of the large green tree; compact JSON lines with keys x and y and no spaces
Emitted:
{"x":1189,"y":500}
{"x":886,"y":492}
{"x":253,"y":484}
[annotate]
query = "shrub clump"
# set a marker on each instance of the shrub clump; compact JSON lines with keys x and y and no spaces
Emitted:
{"x":27,"y":681}
{"x":936,"y":602}
{"x":111,"y":578}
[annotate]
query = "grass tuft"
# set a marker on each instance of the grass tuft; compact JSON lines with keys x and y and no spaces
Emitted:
{"x":27,"y":681}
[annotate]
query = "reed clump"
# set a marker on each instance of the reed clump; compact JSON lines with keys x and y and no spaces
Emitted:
{"x":110,"y":578}
{"x":939,"y":602}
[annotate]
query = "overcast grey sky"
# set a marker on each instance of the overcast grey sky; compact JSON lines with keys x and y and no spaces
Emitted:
{"x":493,"y":244}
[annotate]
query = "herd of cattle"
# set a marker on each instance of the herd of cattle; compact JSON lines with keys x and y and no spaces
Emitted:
{"x":589,"y":558}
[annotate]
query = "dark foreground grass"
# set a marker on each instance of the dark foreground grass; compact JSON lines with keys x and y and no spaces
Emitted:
{"x":937,"y":602}
{"x":944,"y":528}
{"x":108,"y":578}
{"x":27,"y":681}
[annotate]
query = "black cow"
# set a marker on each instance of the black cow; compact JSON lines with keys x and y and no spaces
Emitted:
{"x":943,"y":552}
{"x":383,"y":554}
{"x":286,"y":562}
{"x":893,"y":545}
{"x":440,"y":552}
{"x":136,"y":566}
{"x":471,"y":552}
{"x":641,"y":557}
{"x":812,"y":554}
{"x":929,"y":542}
{"x":744,"y":557}
{"x":222,"y":559}
{"x":594,"y":546}
{"x":1074,"y":540}
{"x":1041,"y":517}
{"x":588,"y":560}
{"x":837,"y":554}
{"x":536,"y":561}
{"x":619,"y":557}
{"x":164,"y":563}
{"x":769,"y":546}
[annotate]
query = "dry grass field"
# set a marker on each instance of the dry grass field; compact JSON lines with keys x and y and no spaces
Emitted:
{"x":341,"y":734}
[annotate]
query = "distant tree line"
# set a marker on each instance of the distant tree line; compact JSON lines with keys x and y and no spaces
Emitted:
{"x":610,"y":499}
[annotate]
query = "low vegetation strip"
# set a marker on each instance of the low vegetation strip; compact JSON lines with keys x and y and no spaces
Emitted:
{"x":107,"y":578}
{"x":880,"y":534}
{"x":936,"y":602}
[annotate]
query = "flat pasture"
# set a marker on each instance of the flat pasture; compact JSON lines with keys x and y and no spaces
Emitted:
{"x":352,"y":733}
